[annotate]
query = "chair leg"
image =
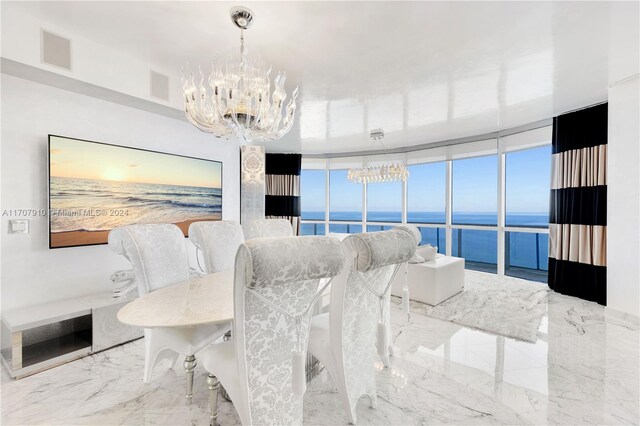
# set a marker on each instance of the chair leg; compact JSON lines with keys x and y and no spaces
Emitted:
{"x":190,"y":365}
{"x":387,"y":324}
{"x":213,"y":384}
{"x":372,"y":400}
{"x":385,"y":360}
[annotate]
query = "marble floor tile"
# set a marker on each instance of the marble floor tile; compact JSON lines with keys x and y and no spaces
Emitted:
{"x":584,"y":369}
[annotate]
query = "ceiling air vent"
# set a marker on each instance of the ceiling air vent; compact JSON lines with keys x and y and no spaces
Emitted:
{"x":56,"y":50}
{"x":159,"y":86}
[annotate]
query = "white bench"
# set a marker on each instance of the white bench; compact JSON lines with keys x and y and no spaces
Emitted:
{"x":431,"y":282}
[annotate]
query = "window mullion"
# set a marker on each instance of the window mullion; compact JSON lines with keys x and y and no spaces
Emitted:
{"x":447,"y":208}
{"x":364,"y":207}
{"x":327,"y":195}
{"x":501,"y":207}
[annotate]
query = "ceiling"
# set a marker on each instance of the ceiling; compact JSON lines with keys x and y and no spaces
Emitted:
{"x":423,"y":71}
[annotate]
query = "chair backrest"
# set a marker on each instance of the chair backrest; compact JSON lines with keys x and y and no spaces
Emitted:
{"x":355,"y":310}
{"x":413,"y":230}
{"x":267,"y":228}
{"x":218,"y":241}
{"x":157,"y":253}
{"x":339,"y":235}
{"x":274,"y":276}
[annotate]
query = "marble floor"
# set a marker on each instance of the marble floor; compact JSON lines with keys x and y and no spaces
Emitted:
{"x":583,"y":369}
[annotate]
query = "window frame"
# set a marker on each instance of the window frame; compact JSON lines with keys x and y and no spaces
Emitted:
{"x":505,"y":144}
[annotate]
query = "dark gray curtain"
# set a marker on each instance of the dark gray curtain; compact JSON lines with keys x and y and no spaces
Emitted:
{"x":282,"y":199}
{"x":578,"y":216}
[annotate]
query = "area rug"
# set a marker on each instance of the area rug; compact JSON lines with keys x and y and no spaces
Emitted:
{"x":504,"y":306}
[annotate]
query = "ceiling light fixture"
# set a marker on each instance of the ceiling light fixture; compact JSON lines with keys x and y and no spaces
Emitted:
{"x":383,"y":173}
{"x":237,"y":99}
{"x":376,"y":134}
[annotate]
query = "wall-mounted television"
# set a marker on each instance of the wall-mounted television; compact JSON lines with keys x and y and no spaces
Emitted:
{"x":95,"y":187}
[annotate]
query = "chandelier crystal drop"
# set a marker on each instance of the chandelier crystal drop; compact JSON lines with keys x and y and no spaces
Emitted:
{"x":375,"y":174}
{"x":237,"y":98}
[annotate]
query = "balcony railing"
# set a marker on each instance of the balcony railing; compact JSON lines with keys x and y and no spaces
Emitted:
{"x":525,"y":250}
{"x":312,"y":228}
{"x":477,"y":247}
{"x":526,"y":255}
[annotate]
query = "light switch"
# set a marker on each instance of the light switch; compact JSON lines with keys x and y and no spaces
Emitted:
{"x":19,"y":226}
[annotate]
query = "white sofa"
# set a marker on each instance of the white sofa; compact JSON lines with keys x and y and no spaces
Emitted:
{"x":433,"y":281}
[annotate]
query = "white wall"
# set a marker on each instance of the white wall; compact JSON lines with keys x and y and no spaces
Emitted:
{"x":623,"y":198}
{"x":31,"y":273}
{"x":92,"y":62}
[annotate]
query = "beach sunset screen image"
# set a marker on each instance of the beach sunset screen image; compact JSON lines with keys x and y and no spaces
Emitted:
{"x":95,"y":187}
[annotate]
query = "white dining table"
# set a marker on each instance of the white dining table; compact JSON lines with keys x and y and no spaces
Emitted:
{"x":205,"y":300}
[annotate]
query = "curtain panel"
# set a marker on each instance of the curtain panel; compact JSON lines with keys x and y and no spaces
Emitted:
{"x":578,"y":205}
{"x":282,"y":199}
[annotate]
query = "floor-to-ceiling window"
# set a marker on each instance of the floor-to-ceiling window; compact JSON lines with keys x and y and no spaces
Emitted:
{"x":527,"y":180}
{"x":345,"y":203}
{"x":527,"y":176}
{"x":426,"y":193}
{"x":486,"y":201}
{"x":384,"y":205}
{"x":426,"y":202}
{"x":475,"y":191}
{"x":475,"y":203}
{"x":312,"y":203}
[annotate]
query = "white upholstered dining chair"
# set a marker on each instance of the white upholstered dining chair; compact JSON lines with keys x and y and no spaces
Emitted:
{"x":263,"y":367}
{"x":417,"y":236}
{"x":159,"y":258}
{"x":265,"y":228}
{"x":218,"y":241}
{"x":345,"y":339}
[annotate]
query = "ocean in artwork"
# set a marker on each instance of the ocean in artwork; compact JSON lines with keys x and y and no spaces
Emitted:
{"x":100,"y":205}
{"x":95,"y":187}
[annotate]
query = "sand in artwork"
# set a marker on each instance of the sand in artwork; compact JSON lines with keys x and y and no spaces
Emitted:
{"x":95,"y":188}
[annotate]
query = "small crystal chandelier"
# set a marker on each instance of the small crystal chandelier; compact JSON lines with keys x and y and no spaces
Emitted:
{"x":237,"y":99}
{"x":374,"y":174}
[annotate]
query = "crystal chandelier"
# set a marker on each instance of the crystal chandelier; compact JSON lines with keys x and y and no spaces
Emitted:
{"x":374,"y":174}
{"x":237,"y":99}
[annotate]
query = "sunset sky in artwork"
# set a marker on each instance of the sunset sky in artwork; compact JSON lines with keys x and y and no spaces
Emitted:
{"x":87,"y":160}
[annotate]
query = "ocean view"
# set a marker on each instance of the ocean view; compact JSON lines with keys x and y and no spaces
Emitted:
{"x":525,"y":250}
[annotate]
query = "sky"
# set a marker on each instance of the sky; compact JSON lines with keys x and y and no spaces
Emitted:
{"x":88,"y":160}
{"x":475,"y":186}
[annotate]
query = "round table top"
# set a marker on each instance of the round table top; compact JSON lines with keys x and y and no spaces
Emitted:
{"x":201,"y":300}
